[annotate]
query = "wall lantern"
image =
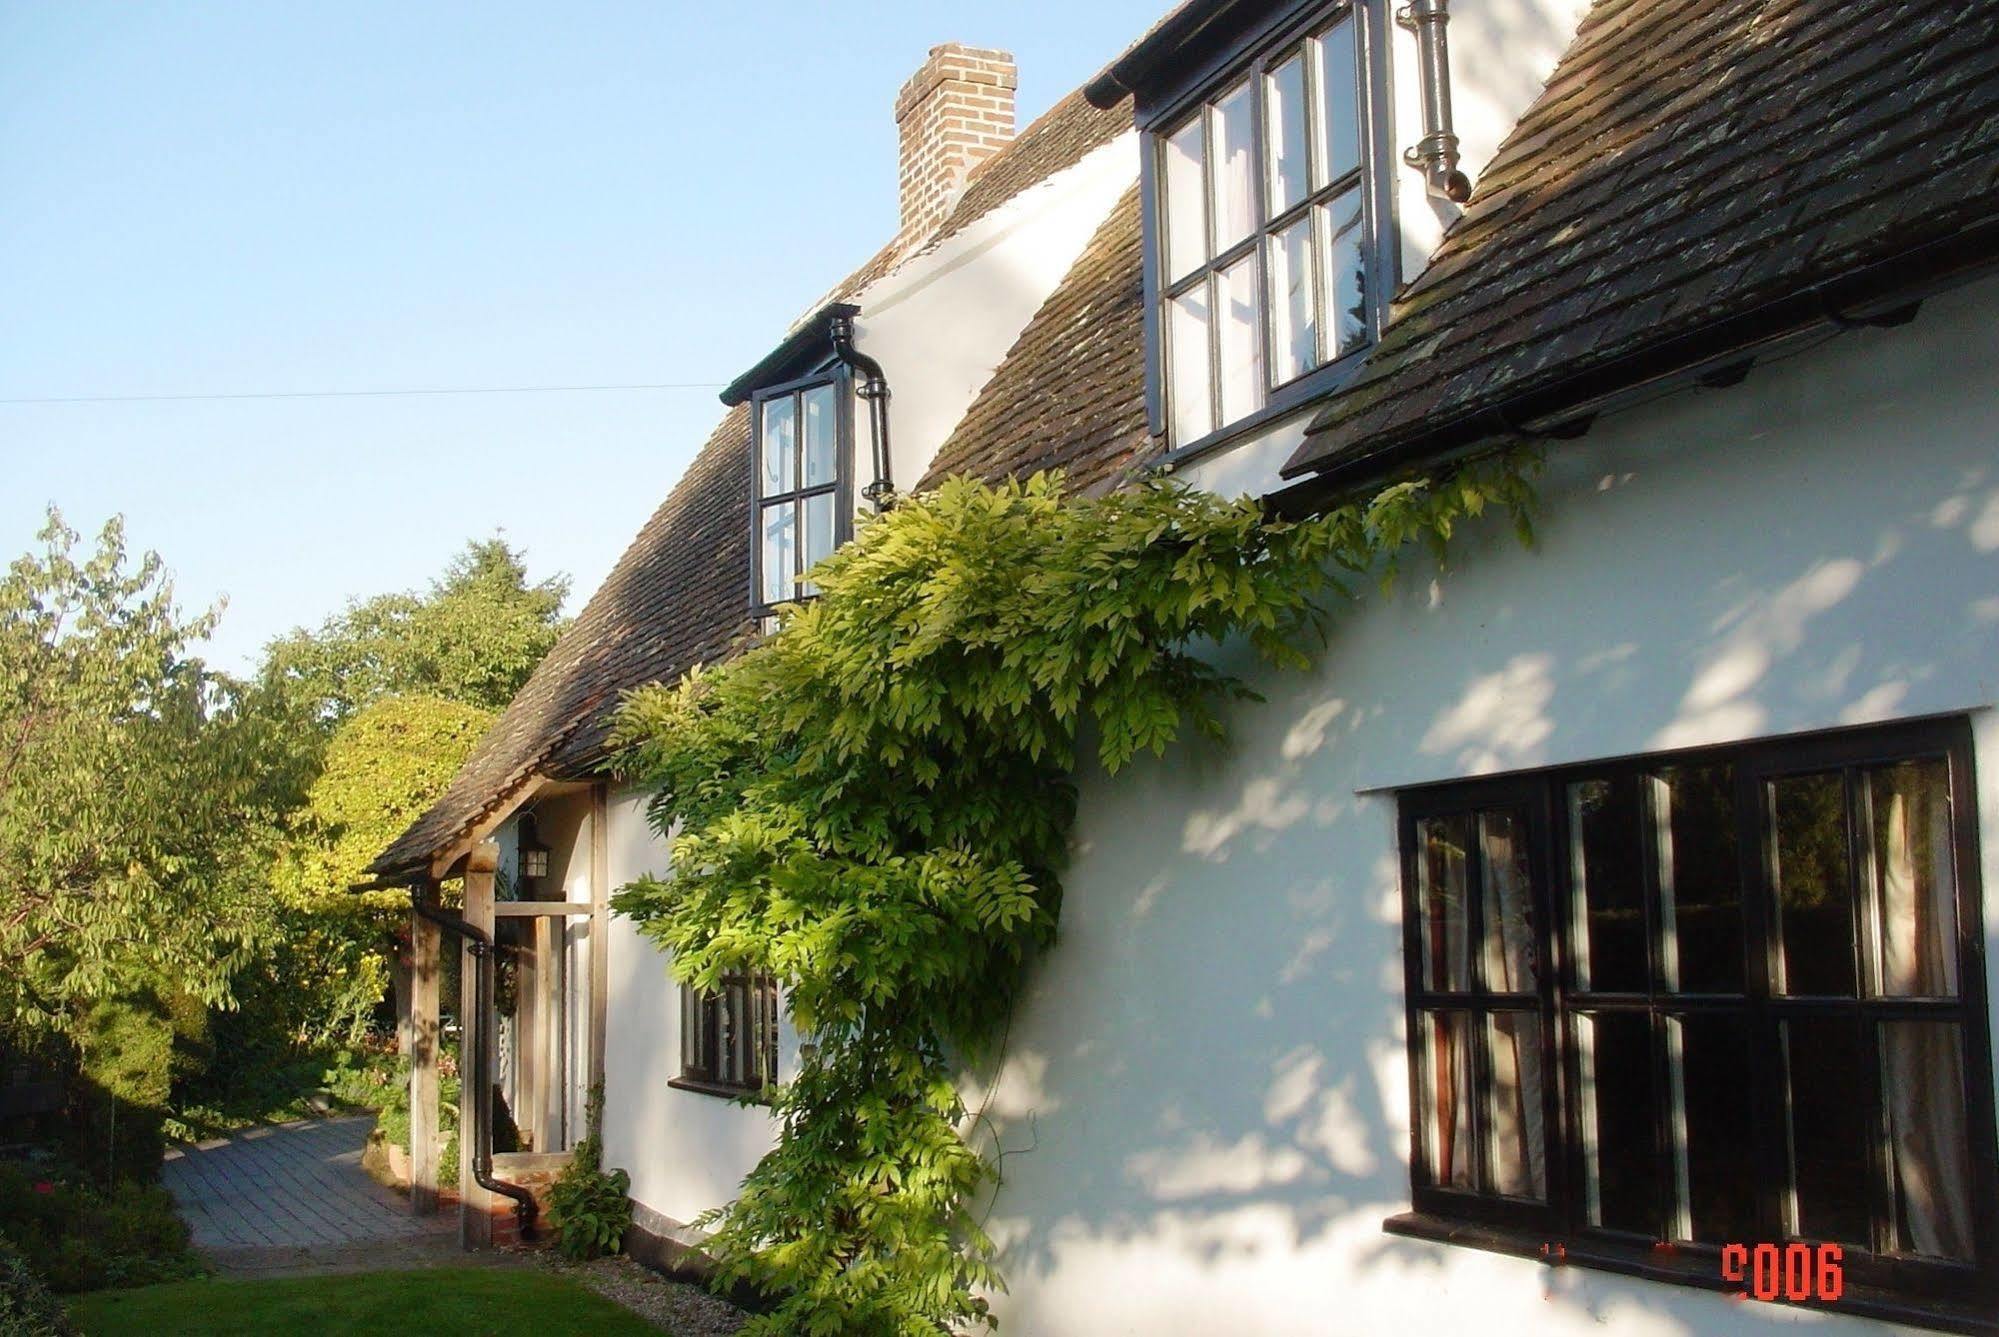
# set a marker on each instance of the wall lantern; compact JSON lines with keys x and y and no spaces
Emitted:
{"x":533,"y":854}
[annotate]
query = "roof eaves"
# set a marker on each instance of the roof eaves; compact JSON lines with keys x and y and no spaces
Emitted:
{"x":802,"y":348}
{"x":1562,"y":405}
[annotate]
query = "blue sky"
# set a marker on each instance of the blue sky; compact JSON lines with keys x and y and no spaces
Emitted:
{"x":241,"y":198}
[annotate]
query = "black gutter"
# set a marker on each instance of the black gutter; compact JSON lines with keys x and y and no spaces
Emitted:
{"x":874,"y":389}
{"x":801,"y":350}
{"x":481,"y":948}
{"x":1149,"y":54}
{"x":1884,"y":292}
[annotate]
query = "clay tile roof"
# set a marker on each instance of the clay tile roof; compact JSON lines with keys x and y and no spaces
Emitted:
{"x":1687,"y":163}
{"x":680,"y":595}
{"x":1071,"y":392}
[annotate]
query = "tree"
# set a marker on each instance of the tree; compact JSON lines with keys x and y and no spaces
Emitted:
{"x":139,"y":791}
{"x":473,"y":638}
{"x":383,"y":766}
{"x":401,"y":687}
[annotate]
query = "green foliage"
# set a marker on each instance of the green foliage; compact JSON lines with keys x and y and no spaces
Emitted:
{"x":474,"y":638}
{"x":589,"y":1208}
{"x":384,"y":765}
{"x":139,"y":792}
{"x":27,"y":1309}
{"x":131,"y":1049}
{"x":394,"y":1120}
{"x":79,"y":1236}
{"x":874,"y":805}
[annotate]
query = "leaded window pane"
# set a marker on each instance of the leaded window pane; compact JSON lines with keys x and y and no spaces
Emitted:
{"x":1922,"y":1084}
{"x":1814,"y":885}
{"x":1294,"y":334}
{"x":1914,"y":879}
{"x":1606,"y":865}
{"x":1187,"y":339}
{"x":1231,"y":155}
{"x":1516,"y":1139}
{"x":1617,"y":1102}
{"x":1447,"y":1075}
{"x":1826,"y":1131}
{"x":780,"y":446}
{"x":1709,"y":1127}
{"x":1240,"y":339}
{"x":1337,"y":93}
{"x":1443,"y":898}
{"x":1286,"y":141}
{"x":822,"y":436}
{"x":1511,"y":956}
{"x":1186,"y":210}
{"x":1343,"y":268}
{"x":1697,"y":870}
{"x":780,"y":551}
{"x":818,"y":535}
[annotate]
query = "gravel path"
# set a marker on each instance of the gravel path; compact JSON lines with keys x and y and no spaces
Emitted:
{"x":671,"y":1306}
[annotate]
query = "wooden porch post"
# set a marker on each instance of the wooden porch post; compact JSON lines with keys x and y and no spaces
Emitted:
{"x":475,"y":1034}
{"x":600,"y":924}
{"x":426,"y":964}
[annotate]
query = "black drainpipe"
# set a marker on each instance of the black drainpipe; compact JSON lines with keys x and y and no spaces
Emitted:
{"x":481,"y":948}
{"x":874,"y":389}
{"x":1437,"y":151}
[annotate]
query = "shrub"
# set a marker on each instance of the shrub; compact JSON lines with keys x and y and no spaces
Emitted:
{"x":590,"y":1209}
{"x":394,"y":1121}
{"x":82,"y":1237}
{"x":27,"y":1309}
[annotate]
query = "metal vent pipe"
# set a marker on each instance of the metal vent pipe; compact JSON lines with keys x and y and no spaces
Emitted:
{"x":1436,"y":153}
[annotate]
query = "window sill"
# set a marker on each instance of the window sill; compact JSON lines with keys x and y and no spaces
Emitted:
{"x":1304,"y":393}
{"x":1693,"y":1269}
{"x":721,"y":1090}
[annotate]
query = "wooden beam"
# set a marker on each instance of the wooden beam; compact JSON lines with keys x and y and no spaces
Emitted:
{"x":540,"y":909}
{"x":426,"y":965}
{"x":475,"y":1204}
{"x":600,"y":924}
{"x":462,"y":848}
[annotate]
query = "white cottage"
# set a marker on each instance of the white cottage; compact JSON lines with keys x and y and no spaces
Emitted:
{"x":1590,"y":915}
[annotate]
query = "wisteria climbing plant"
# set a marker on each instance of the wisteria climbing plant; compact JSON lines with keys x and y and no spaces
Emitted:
{"x":873,"y":805}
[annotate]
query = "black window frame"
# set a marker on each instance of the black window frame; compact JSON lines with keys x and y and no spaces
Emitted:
{"x":1248,"y":52}
{"x":837,"y":376}
{"x":708,"y":1027}
{"x":1900,"y":1287}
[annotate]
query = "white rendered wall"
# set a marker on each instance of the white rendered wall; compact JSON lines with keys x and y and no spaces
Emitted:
{"x":942,"y":322}
{"x":686,"y":1151}
{"x":1205,"y":1092}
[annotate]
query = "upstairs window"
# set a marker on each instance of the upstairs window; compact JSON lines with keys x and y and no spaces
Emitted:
{"x":728,"y":1038}
{"x":1260,"y":231}
{"x":800,"y":466}
{"x":1665,"y":1008}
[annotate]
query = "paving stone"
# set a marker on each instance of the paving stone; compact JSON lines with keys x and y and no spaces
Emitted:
{"x":291,"y":1187}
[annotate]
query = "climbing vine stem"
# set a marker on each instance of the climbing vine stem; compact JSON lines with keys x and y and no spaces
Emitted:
{"x":873,"y":806}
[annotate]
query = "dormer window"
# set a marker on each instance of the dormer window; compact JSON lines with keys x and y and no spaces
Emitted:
{"x":800,"y":462}
{"x":1261,"y":228}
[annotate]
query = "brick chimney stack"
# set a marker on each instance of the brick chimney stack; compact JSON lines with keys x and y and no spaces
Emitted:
{"x":954,"y":113}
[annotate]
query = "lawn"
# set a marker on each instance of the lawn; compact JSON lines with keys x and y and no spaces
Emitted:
{"x":499,"y":1301}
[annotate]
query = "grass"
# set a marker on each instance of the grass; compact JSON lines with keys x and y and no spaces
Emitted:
{"x":498,"y":1301}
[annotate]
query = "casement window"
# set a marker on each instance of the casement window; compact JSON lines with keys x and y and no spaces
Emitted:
{"x":1260,"y":229}
{"x":800,"y":457}
{"x":728,"y":1038}
{"x":1735,"y":997}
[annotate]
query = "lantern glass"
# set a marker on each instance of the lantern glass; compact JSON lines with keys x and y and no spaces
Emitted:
{"x":534,"y":862}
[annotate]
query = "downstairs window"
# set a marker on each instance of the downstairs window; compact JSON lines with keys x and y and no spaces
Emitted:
{"x":1664,"y":1006}
{"x":728,"y":1038}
